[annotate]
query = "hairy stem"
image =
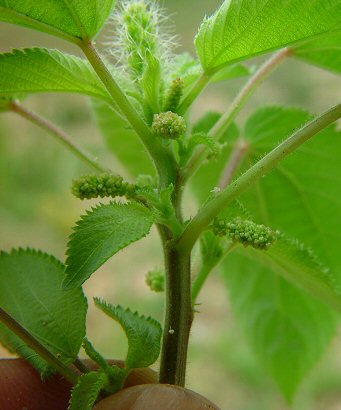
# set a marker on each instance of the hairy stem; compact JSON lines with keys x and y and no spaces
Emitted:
{"x":236,"y":157}
{"x":178,"y":315}
{"x":57,"y":133}
{"x":36,"y":346}
{"x":253,"y":174}
{"x":193,"y":93}
{"x":242,"y":98}
{"x":162,"y":157}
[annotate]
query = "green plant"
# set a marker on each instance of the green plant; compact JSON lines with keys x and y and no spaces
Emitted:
{"x":286,"y":272}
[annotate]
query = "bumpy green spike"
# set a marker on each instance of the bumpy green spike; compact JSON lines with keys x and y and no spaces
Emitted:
{"x":155,"y":279}
{"x":245,"y":232}
{"x":174,"y":95}
{"x":104,"y":185}
{"x":169,"y":125}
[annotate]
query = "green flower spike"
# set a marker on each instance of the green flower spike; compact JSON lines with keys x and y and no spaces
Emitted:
{"x":169,"y":125}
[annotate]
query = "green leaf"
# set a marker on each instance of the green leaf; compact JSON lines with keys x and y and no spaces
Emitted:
{"x":30,"y":291}
{"x":143,"y":333}
{"x":302,"y":196}
{"x":287,"y":329}
{"x":325,"y":52}
{"x":241,"y":29}
{"x":122,"y":140}
{"x":86,"y":391}
{"x":151,"y":83}
{"x":231,"y":72}
{"x":100,"y":234}
{"x":41,"y":70}
{"x":72,"y":20}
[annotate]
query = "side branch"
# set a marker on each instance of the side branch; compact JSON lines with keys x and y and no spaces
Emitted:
{"x":57,"y":133}
{"x":261,"y":168}
{"x":162,"y":158}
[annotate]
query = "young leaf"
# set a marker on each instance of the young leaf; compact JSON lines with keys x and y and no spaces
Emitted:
{"x":241,"y":29}
{"x":122,"y":140}
{"x":85,"y":393}
{"x":34,"y":70}
{"x":151,"y":84}
{"x":302,"y":196}
{"x":71,"y":20}
{"x":30,"y":291}
{"x":325,"y":52}
{"x":143,"y":333}
{"x":287,"y":329}
{"x":100,"y":234}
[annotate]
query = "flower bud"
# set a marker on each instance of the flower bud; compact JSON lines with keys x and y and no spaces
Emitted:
{"x":169,"y":125}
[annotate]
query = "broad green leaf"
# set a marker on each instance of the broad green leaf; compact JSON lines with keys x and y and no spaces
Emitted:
{"x":302,"y":196}
{"x":41,"y":70}
{"x":325,"y":52}
{"x":100,"y":234}
{"x":207,"y":177}
{"x":73,"y":20}
{"x":30,"y":291}
{"x":287,"y":329}
{"x":231,"y":72}
{"x":241,"y":29}
{"x":143,"y":333}
{"x":86,"y":391}
{"x":122,"y":140}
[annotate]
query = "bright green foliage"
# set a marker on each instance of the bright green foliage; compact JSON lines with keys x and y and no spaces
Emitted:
{"x":72,"y":20}
{"x":232,"y":71}
{"x":302,"y":196}
{"x":174,"y":95}
{"x":140,"y":34}
{"x":122,"y":140}
{"x":86,"y":391}
{"x":287,"y":329}
{"x":152,"y":87}
{"x":30,"y":291}
{"x":100,"y":234}
{"x":155,"y":279}
{"x":35,"y":70}
{"x":324,"y":52}
{"x":241,"y":29}
{"x":246,"y":232}
{"x":169,"y":125}
{"x":143,"y":333}
{"x":94,"y":186}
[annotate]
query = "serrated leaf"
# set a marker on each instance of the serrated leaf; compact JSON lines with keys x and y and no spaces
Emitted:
{"x":72,"y":20}
{"x":100,"y":234}
{"x":241,"y":29}
{"x":30,"y":291}
{"x":287,"y":329}
{"x":122,"y":140}
{"x":231,"y":72}
{"x":302,"y":196}
{"x":143,"y":333}
{"x":325,"y":52}
{"x":86,"y":391}
{"x":35,"y":70}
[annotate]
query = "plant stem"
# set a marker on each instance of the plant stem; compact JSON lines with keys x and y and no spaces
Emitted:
{"x":162,"y":157}
{"x":253,"y":174}
{"x":242,"y":98}
{"x":193,"y":93}
{"x":206,"y":268}
{"x":57,"y":133}
{"x":240,"y":150}
{"x":178,"y":316}
{"x":35,"y":345}
{"x":83,"y":368}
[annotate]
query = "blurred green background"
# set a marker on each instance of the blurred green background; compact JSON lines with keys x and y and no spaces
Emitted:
{"x":38,"y":210}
